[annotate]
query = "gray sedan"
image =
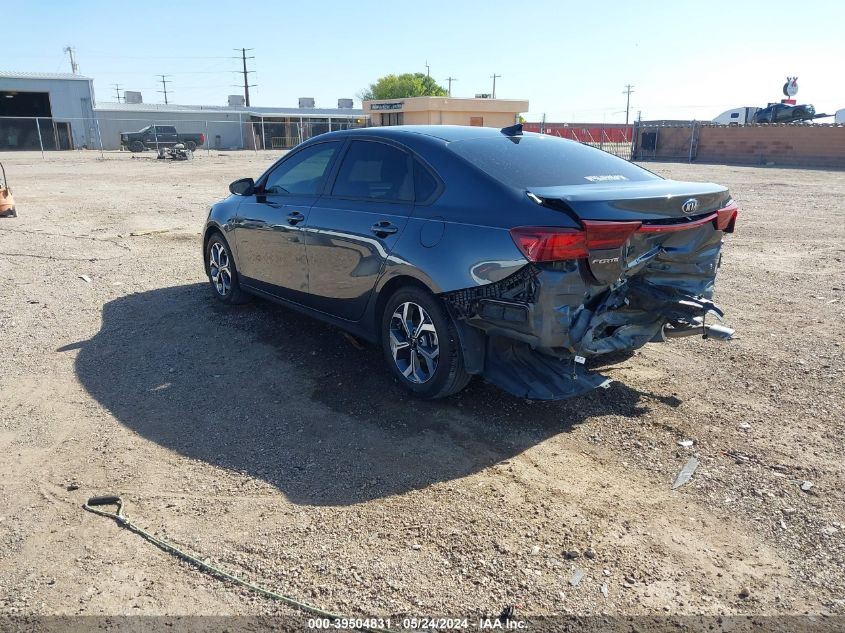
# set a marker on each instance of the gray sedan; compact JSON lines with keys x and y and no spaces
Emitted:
{"x":465,"y":251}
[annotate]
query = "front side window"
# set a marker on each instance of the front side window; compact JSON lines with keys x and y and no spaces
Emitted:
{"x":376,"y":171}
{"x":302,"y":173}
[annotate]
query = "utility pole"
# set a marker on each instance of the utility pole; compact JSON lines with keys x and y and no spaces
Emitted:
{"x":427,"y":69}
{"x":246,"y":73}
{"x":74,"y":67}
{"x":628,"y":90}
{"x":450,"y":80}
{"x":494,"y":76}
{"x":116,"y":91}
{"x":164,"y":82}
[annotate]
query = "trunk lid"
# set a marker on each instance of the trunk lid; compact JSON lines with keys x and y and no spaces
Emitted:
{"x":650,"y":200}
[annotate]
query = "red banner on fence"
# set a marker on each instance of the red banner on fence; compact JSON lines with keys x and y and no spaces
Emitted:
{"x":592,"y":133}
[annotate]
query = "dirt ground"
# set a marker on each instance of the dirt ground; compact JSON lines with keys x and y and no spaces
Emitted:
{"x":266,"y":442}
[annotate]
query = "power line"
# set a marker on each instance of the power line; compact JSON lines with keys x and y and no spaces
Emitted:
{"x":116,"y":91}
{"x":494,"y":76}
{"x":246,"y":73}
{"x":450,"y":80}
{"x":164,"y":83}
{"x":628,"y":90}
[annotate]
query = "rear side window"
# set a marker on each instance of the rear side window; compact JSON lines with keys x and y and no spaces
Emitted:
{"x":302,"y":173}
{"x":424,"y":183}
{"x":546,"y":161}
{"x":376,"y":171}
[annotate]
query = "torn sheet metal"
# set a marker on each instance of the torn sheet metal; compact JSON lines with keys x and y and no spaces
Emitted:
{"x":534,"y":323}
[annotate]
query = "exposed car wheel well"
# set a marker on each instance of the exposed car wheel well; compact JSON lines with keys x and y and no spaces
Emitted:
{"x":389,"y":288}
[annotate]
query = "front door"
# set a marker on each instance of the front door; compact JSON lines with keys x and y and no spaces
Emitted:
{"x":270,"y":250}
{"x":352,"y":229}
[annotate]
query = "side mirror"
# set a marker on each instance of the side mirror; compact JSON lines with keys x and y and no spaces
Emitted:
{"x":243,"y":187}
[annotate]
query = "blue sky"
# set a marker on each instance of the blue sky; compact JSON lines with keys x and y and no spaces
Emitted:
{"x":570,"y":59}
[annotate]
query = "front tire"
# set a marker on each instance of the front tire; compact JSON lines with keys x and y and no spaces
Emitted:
{"x":221,"y":270}
{"x":421,"y":345}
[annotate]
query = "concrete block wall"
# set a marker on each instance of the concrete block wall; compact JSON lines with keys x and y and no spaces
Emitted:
{"x":799,"y":145}
{"x":780,"y":144}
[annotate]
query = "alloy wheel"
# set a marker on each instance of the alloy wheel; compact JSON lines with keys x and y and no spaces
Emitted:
{"x":219,"y":269}
{"x":413,"y":342}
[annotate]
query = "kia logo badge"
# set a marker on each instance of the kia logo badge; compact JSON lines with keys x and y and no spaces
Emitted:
{"x":690,"y":206}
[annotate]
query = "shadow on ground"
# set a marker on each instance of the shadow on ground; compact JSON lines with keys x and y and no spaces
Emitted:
{"x":262,"y":390}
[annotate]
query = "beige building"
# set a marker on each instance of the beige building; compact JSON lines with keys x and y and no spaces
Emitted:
{"x":445,"y":111}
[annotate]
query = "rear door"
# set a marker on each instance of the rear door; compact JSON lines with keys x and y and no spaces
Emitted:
{"x":166,"y":134}
{"x":269,"y":227}
{"x":353,"y":228}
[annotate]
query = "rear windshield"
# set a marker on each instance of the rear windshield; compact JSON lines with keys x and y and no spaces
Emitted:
{"x":546,"y":161}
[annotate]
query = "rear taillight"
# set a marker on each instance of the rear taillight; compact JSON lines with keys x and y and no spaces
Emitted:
{"x":726,"y":218}
{"x":550,"y":244}
{"x":603,"y":235}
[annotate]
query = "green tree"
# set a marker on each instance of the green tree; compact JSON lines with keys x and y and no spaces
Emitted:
{"x":403,"y":86}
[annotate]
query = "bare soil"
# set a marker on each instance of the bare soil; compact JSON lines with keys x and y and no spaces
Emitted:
{"x":268,"y":443}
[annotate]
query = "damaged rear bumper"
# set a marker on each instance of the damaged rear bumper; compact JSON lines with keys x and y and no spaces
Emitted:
{"x":530,"y":333}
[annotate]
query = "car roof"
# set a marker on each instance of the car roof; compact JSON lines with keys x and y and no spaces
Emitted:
{"x":446,"y":133}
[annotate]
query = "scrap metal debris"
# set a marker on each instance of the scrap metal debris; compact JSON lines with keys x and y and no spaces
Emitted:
{"x":177,"y":152}
{"x":686,"y":473}
{"x":85,"y":278}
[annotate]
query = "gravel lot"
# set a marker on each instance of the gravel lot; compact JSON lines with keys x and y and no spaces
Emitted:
{"x":268,"y":443}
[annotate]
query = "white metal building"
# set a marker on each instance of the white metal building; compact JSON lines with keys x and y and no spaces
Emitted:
{"x":57,"y":107}
{"x":227,"y":127}
{"x":57,"y":111}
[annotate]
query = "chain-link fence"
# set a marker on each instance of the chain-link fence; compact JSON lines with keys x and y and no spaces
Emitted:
{"x":229,"y":131}
{"x":113,"y":130}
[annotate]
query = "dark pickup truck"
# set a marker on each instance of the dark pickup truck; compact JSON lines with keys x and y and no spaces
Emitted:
{"x":157,"y":136}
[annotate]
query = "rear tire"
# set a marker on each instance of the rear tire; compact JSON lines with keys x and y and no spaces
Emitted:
{"x":136,"y":146}
{"x":421,"y":345}
{"x":221,"y":271}
{"x":191,"y":146}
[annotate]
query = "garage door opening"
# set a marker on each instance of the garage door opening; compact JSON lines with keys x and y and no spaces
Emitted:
{"x":19,"y":128}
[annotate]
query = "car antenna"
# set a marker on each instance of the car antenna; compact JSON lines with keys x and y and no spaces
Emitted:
{"x":513,"y":130}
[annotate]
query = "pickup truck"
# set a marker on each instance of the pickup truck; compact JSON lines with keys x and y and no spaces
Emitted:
{"x":157,"y":136}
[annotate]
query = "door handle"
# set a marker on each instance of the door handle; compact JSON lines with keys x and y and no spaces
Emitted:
{"x":383,"y":228}
{"x":295,"y":217}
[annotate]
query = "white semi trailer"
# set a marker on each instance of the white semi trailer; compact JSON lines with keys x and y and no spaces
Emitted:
{"x":737,"y":116}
